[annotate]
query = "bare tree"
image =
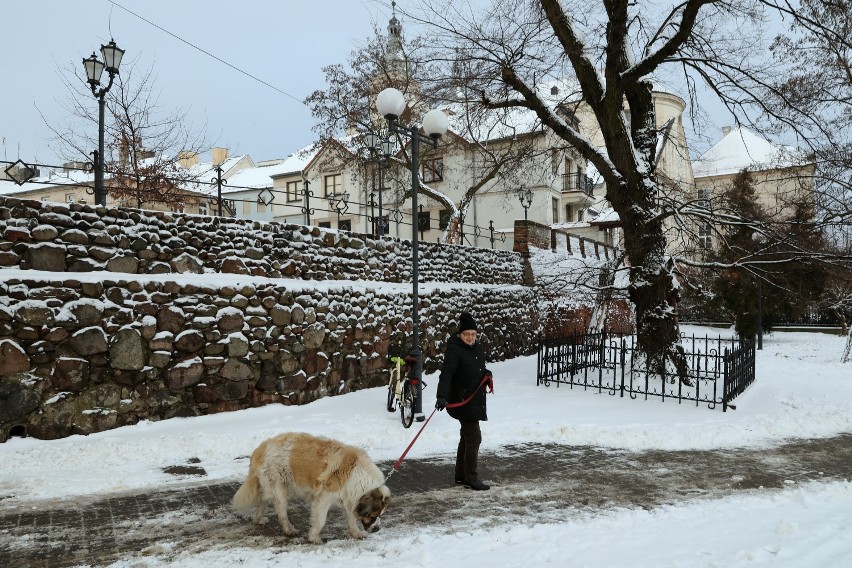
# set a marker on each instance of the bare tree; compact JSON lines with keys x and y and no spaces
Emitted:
{"x":497,"y":152}
{"x":144,"y":142}
{"x":615,"y":51}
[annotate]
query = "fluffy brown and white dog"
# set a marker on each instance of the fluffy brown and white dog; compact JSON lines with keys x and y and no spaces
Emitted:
{"x":320,"y":471}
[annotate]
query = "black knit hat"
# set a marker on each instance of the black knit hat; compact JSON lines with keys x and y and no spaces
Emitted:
{"x":466,"y":322}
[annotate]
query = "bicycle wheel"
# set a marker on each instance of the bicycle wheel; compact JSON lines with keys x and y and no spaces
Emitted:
{"x":406,"y":404}
{"x":392,"y":393}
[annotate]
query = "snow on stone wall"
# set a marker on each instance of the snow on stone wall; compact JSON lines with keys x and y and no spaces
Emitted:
{"x":82,"y":238}
{"x":147,"y":322}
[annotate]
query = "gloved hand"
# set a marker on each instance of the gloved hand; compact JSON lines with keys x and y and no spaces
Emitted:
{"x":440,"y":403}
{"x":489,"y":381}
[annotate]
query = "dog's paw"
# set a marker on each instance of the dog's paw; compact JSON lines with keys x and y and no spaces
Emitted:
{"x":290,"y":531}
{"x":359,"y":534}
{"x":314,"y":538}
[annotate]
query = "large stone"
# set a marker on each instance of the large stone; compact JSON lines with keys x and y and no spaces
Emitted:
{"x":184,"y":263}
{"x":35,"y":313}
{"x":171,"y":319}
{"x":9,"y":258}
{"x":235,"y":370}
{"x":288,"y":362}
{"x":238,"y":345}
{"x":233,"y":265}
{"x":313,"y":336}
{"x":70,"y":374}
{"x":16,"y":400}
{"x":186,"y":373}
{"x":46,"y":256}
{"x":280,"y":315}
{"x":13,"y":359}
{"x":189,"y":341}
{"x":89,"y":341}
{"x":230,"y":390}
{"x":44,"y":233}
{"x":127,"y":350}
{"x":86,"y":312}
{"x":125,"y":264}
{"x":230,"y":319}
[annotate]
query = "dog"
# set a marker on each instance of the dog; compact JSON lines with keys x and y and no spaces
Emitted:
{"x":317,"y":470}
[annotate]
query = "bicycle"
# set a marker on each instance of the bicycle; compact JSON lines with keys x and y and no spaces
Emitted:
{"x":402,"y":389}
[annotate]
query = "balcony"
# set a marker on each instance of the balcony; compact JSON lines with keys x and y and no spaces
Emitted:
{"x":577,"y":182}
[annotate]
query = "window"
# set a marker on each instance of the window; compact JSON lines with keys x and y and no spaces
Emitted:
{"x":424,"y":220}
{"x":444,"y":217}
{"x":69,"y":198}
{"x":325,"y":225}
{"x":294,"y":191}
{"x":202,"y":209}
{"x":581,"y":215}
{"x":261,"y":206}
{"x":333,"y":184}
{"x":246,"y":207}
{"x":555,"y":209}
{"x":432,"y":170}
{"x":705,"y":236}
{"x":345,"y":225}
{"x":703,"y":195}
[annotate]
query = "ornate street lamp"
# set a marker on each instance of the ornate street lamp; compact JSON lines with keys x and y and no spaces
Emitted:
{"x":112,"y":55}
{"x":391,"y":103}
{"x":525,"y":196}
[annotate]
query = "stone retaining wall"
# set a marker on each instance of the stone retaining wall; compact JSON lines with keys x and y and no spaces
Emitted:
{"x":83,"y":238}
{"x":149,"y":321}
{"x":81,"y":357}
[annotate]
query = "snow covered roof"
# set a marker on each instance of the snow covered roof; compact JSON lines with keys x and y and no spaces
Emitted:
{"x":52,"y":179}
{"x":743,"y":149}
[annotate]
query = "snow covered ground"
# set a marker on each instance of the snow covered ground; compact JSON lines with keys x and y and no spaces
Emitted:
{"x":802,"y":391}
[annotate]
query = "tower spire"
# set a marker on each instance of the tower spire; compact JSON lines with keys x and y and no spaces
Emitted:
{"x":395,"y":58}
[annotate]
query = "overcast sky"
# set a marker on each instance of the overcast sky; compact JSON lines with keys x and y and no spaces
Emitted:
{"x":284,"y":43}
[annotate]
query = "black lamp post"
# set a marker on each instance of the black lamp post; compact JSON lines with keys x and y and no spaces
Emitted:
{"x":112,"y":55}
{"x":525,"y":196}
{"x":381,"y":146}
{"x":391,"y":103}
{"x":758,"y":240}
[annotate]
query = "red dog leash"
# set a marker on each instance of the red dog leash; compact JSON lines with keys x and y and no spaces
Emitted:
{"x":485,"y":380}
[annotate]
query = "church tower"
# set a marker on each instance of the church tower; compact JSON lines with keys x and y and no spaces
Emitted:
{"x":395,"y":60}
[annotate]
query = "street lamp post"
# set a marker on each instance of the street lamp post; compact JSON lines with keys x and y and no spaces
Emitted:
{"x":759,"y":242}
{"x":381,"y":146}
{"x":391,"y":103}
{"x":525,"y":196}
{"x":112,"y":55}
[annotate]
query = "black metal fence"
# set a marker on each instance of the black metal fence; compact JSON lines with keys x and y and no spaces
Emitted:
{"x":718,"y":369}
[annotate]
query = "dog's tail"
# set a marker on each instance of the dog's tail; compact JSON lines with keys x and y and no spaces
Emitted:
{"x":248,"y":495}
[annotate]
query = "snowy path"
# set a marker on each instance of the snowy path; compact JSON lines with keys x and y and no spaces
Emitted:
{"x":532,"y":484}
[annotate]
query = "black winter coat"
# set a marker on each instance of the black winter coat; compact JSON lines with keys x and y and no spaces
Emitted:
{"x":464,"y":367}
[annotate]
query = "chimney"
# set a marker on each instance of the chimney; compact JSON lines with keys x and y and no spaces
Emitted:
{"x":219,"y":156}
{"x":726,"y":130}
{"x":187,"y":159}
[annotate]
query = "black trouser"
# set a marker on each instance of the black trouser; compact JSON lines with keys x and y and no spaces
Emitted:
{"x":467,"y":455}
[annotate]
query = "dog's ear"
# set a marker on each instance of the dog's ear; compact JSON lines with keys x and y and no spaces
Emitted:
{"x":373,"y":502}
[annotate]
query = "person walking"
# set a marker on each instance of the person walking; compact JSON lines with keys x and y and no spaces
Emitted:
{"x":464,"y":376}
